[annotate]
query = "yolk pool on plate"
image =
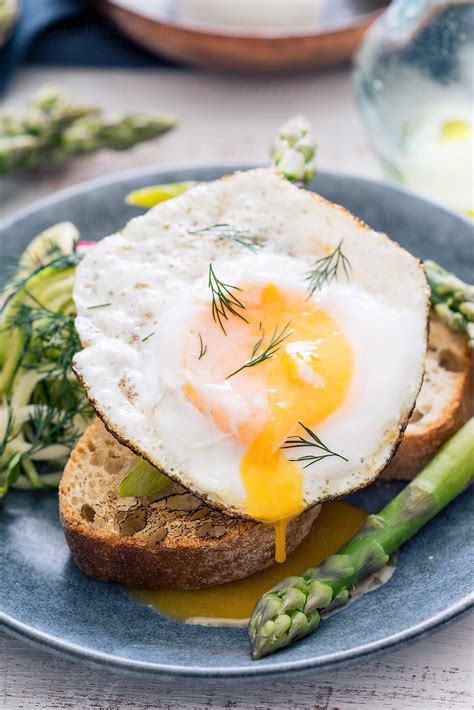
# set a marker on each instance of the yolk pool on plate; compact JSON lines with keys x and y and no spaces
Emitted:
{"x":306,"y":380}
{"x":335,"y":525}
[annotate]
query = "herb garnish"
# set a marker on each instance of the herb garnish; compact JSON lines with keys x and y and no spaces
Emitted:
{"x":58,"y":264}
{"x":43,"y":407}
{"x":230,"y":233}
{"x":273,"y":346}
{"x":99,"y":305}
{"x":148,"y":336}
{"x":202,"y":347}
{"x":46,"y":386}
{"x":223,"y":300}
{"x":50,"y":338}
{"x":295,"y":442}
{"x":325,"y":270}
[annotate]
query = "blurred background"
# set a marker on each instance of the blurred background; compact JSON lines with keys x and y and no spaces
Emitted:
{"x":388,"y":88}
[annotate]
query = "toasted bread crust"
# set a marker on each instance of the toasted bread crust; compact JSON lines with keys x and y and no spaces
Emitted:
{"x":445,"y":403}
{"x":185,"y":567}
{"x":185,"y":547}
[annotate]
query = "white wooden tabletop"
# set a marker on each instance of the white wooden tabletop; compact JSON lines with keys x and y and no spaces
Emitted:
{"x":225,"y":118}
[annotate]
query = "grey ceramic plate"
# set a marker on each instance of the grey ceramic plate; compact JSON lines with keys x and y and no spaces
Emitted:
{"x":45,"y":599}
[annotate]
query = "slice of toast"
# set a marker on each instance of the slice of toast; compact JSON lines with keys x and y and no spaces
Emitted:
{"x":169,"y":540}
{"x":173,"y":540}
{"x":445,"y":402}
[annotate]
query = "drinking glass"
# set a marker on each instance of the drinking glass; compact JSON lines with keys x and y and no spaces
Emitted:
{"x":413,"y":79}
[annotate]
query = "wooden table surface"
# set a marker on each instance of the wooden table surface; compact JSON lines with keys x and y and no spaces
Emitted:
{"x":225,"y":118}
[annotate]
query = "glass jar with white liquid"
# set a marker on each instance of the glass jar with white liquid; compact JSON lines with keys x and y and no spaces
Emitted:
{"x":414,"y":81}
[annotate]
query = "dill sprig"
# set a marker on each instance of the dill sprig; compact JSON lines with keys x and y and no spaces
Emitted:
{"x":230,"y":233}
{"x":295,"y":442}
{"x":9,"y":467}
{"x":273,"y":346}
{"x":55,"y":426}
{"x":223,"y":300}
{"x":15,"y":273}
{"x":202,"y":347}
{"x":8,"y":433}
{"x":52,"y":425}
{"x":55,"y":256}
{"x":50,"y":337}
{"x":99,"y":305}
{"x":325,"y":270}
{"x":51,"y":341}
{"x":44,"y":409}
{"x":57,"y":261}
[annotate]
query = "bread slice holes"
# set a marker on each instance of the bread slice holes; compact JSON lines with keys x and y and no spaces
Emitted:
{"x":88,"y":513}
{"x":212,"y":531}
{"x":113,"y":465}
{"x":98,"y":458}
{"x":129,"y":522}
{"x":450,"y":361}
{"x":200,"y":513}
{"x":157,"y":537}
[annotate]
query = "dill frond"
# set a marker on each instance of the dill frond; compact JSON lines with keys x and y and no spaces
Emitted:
{"x":269,"y":351}
{"x":230,"y":233}
{"x":224,"y":301}
{"x":202,"y":347}
{"x":313,"y":441}
{"x":325,"y":270}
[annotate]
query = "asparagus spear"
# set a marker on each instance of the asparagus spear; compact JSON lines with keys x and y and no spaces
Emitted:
{"x":155,"y":194}
{"x":451,"y":299}
{"x":32,"y":137}
{"x":294,"y":151}
{"x":293,"y":157}
{"x":142,"y":479}
{"x":115,"y":132}
{"x":291,"y":610}
{"x":47,"y":114}
{"x":53,"y":128}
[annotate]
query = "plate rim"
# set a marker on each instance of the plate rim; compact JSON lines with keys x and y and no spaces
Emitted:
{"x":229,"y":166}
{"x":74,"y":651}
{"x":45,"y":640}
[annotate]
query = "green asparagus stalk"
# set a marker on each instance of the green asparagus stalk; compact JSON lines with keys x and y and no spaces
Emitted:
{"x":155,"y":194}
{"x":24,"y":136}
{"x":451,"y":299}
{"x":47,"y":114}
{"x":294,"y":151}
{"x":293,"y":157}
{"x":90,"y":133}
{"x":291,"y":610}
{"x":54,"y":128}
{"x":30,"y":138}
{"x":142,"y":479}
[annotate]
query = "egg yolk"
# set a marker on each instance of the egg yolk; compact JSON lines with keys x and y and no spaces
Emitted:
{"x":334,"y":526}
{"x":305,"y":380}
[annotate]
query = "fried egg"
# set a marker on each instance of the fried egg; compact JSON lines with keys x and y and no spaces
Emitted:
{"x":255,"y":342}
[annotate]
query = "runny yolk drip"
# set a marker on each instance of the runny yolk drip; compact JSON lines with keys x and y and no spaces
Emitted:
{"x":235,"y":601}
{"x":306,"y":380}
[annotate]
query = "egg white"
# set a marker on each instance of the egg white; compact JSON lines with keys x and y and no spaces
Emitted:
{"x":154,"y":275}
